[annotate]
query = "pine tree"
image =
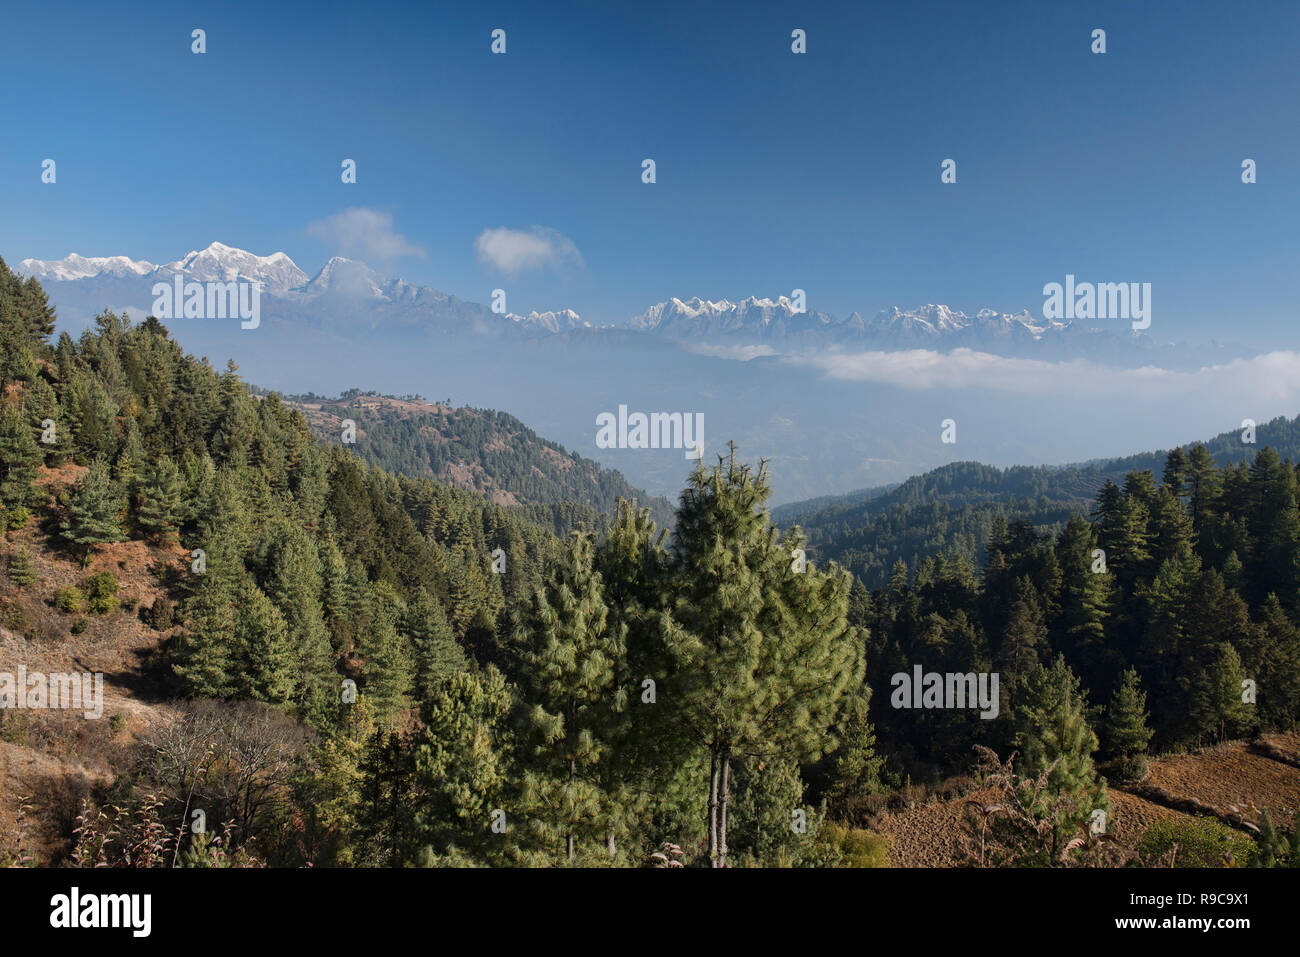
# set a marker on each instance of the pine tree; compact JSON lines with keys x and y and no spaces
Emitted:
{"x":1208,"y":667}
{"x":569,"y":659}
{"x":94,"y":511}
{"x":1273,"y":523}
{"x":264,"y":650}
{"x":1053,"y":737}
{"x":764,"y":658}
{"x":90,"y":415}
{"x":40,"y":404}
{"x":1128,"y":550}
{"x":1173,"y":529}
{"x":295,"y":588}
{"x":236,"y":421}
{"x":388,"y":675}
{"x":1106,"y":511}
{"x":437,"y":655}
{"x":462,"y":769}
{"x":1126,"y":732}
{"x":160,"y":507}
{"x":22,"y":572}
{"x":855,"y":773}
{"x":128,"y":467}
{"x":334,"y":581}
{"x":207,"y":656}
{"x":770,"y":823}
{"x":1025,"y":640}
{"x":1271,"y":652}
{"x":35,"y":311}
{"x":1202,"y":486}
{"x":20,"y":458}
{"x":1216,"y":705}
{"x":16,"y":363}
{"x":1177,"y":468}
{"x":1087,"y":608}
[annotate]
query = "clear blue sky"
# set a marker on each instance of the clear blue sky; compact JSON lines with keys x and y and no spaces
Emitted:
{"x":775,"y":171}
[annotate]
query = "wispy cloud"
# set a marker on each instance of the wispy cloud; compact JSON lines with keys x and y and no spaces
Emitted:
{"x":515,"y":250}
{"x":1272,"y":377}
{"x":739,"y":353}
{"x":365,"y":234}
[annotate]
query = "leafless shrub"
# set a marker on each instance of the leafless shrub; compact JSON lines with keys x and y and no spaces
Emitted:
{"x":233,"y":760}
{"x":14,"y":850}
{"x":116,"y":836}
{"x":1022,"y":824}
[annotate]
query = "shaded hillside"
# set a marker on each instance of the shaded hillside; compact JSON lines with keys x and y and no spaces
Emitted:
{"x":481,"y":450}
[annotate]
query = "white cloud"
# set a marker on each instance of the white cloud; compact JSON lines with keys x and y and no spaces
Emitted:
{"x":1272,"y":377}
{"x":739,"y":353}
{"x":514,"y":250}
{"x":365,"y":234}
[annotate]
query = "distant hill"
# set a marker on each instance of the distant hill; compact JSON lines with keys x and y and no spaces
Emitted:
{"x":951,"y":509}
{"x":481,"y":450}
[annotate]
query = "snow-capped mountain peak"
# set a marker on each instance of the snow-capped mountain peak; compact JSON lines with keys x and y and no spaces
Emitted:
{"x":217,"y":263}
{"x":74,"y":267}
{"x":348,"y":294}
{"x":551,"y":321}
{"x":221,"y":263}
{"x":347,"y":277}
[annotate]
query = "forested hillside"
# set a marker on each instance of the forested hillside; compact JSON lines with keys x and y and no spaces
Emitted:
{"x":477,"y":449}
{"x":340,"y":666}
{"x":396,"y":671}
{"x":951,"y":510}
{"x":1176,"y":593}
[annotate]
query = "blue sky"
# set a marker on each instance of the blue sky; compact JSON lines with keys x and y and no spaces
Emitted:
{"x":775,"y":170}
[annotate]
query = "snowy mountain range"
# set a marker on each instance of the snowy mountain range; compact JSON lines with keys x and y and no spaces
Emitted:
{"x":347,"y":296}
{"x":775,"y":323}
{"x":344,"y":293}
{"x":836,"y":403}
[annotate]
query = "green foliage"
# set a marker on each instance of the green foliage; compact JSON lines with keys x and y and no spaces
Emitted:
{"x":569,"y":655}
{"x":20,"y":459}
{"x":388,"y":676}
{"x":1054,"y":740}
{"x":1126,"y":732}
{"x":437,"y":654}
{"x":855,"y":847}
{"x":769,"y":823}
{"x":93,"y":514}
{"x":463,"y":767}
{"x":1194,"y":842}
{"x":69,"y":599}
{"x":21,"y":570}
{"x":492,"y":451}
{"x":101,"y":593}
{"x":160,"y":508}
{"x":1276,"y":846}
{"x":618,"y":691}
{"x":762,"y":656}
{"x":951,"y":510}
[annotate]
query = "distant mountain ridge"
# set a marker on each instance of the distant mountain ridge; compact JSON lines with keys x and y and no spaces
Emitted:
{"x":950,"y":510}
{"x":348,"y":296}
{"x":345,"y":294}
